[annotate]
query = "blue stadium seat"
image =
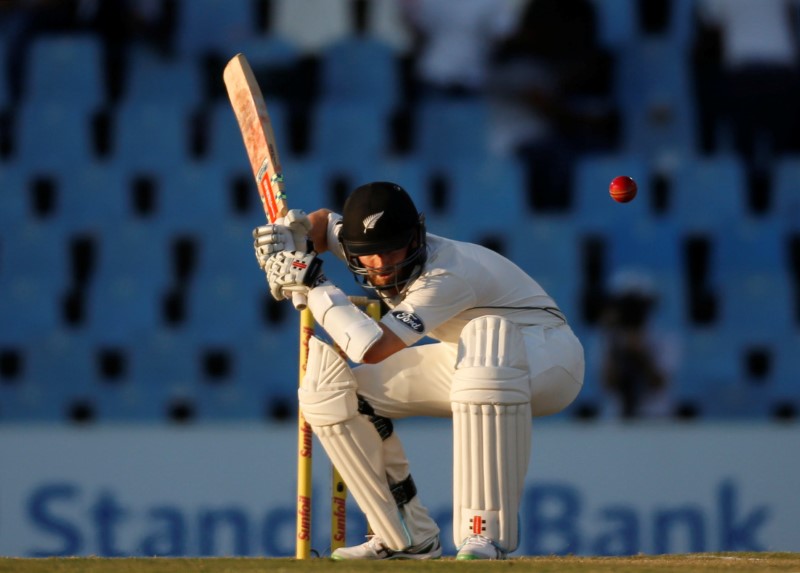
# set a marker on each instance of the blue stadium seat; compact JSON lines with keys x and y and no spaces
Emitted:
{"x":227,"y":251}
{"x":448,"y":130}
{"x":151,"y":137}
{"x":271,"y":50}
{"x":268,"y":364}
{"x":548,"y":249}
{"x":708,"y":195}
{"x":708,"y":364}
{"x":224,"y":401}
{"x":306,"y":184}
{"x":739,"y":400}
{"x":214,"y":26}
{"x":655,"y":94}
{"x":193,"y":194}
{"x":785,"y":207}
{"x":616,"y":22}
{"x":785,"y":389}
{"x":487,"y":198}
{"x":58,"y":375}
{"x":654,"y":250}
{"x":360,"y":70}
{"x":743,"y":396}
{"x":619,"y":27}
{"x":223,"y":393}
{"x":32,"y":248}
{"x":53,"y":137}
{"x":33,"y":277}
{"x":65,"y":69}
{"x":29,"y":306}
{"x":132,"y":274}
{"x":153,"y":78}
{"x":5,"y":88}
{"x":278,"y":66}
{"x":162,"y":372}
{"x":123,"y":307}
{"x":681,"y":29}
{"x":14,"y":195}
{"x":347,"y":134}
{"x":750,"y":272}
{"x":133,"y":247}
{"x":222,"y":305}
{"x":93,"y":195}
{"x":655,"y":247}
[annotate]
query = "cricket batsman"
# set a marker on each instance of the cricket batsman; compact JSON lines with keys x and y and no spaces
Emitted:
{"x":505,"y":353}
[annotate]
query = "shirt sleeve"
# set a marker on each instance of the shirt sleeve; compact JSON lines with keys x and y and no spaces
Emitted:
{"x":433,"y":300}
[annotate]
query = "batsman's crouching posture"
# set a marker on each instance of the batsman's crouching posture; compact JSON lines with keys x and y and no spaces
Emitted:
{"x":506,"y":353}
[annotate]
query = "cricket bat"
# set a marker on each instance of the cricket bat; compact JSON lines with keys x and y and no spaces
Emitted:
{"x":259,"y":141}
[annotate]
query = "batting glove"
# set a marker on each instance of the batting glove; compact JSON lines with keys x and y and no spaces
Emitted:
{"x":286,"y":234}
{"x":293,"y":271}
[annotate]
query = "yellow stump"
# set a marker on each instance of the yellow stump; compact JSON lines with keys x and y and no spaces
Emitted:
{"x":304,"y":451}
{"x":338,"y":510}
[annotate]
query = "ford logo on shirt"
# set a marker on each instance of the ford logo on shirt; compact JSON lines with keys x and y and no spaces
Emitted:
{"x":410,"y":319}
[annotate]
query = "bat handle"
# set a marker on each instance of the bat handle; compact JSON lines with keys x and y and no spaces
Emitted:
{"x":299,"y":300}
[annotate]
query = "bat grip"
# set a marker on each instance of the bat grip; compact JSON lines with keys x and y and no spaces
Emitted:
{"x":299,"y":300}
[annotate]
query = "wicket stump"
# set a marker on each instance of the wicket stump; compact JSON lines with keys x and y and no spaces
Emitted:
{"x":305,"y":452}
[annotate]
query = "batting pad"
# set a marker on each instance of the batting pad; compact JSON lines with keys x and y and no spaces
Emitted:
{"x":491,"y":431}
{"x":330,"y":405}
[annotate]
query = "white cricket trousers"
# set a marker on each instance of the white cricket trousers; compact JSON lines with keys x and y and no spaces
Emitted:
{"x":416,"y":381}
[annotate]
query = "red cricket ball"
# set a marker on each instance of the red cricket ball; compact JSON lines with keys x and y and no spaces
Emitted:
{"x":623,"y":189}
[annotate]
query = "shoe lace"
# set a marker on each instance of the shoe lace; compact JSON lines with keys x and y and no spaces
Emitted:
{"x":479,"y":540}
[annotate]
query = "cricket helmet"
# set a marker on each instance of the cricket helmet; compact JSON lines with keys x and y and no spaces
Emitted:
{"x":377,"y":218}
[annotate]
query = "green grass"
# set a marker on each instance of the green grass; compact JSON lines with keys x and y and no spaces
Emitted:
{"x":706,"y":562}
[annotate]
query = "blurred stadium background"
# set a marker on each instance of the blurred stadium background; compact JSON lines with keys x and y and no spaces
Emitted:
{"x":128,"y":288}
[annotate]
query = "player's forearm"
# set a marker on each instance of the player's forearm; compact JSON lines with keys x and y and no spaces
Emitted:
{"x":385,"y":346}
{"x":319,"y":229}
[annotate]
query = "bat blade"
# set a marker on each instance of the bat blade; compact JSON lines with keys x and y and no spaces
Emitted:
{"x":256,"y":129}
{"x":259,"y":141}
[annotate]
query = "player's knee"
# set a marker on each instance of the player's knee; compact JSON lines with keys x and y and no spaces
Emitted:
{"x":492,"y":365}
{"x":327,"y":394}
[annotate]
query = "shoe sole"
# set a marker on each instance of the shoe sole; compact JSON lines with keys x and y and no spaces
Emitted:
{"x":398,"y":556}
{"x":474,"y":557}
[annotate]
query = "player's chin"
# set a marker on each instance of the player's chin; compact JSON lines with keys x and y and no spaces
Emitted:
{"x":387,"y":286}
{"x":382,"y":280}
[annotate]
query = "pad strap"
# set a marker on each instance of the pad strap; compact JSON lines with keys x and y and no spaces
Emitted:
{"x":384,"y":425}
{"x":404,"y":491}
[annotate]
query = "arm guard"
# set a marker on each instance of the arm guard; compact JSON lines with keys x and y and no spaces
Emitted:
{"x":350,"y":328}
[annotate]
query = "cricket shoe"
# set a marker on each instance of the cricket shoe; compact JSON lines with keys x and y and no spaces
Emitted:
{"x":479,"y":547}
{"x":375,"y":548}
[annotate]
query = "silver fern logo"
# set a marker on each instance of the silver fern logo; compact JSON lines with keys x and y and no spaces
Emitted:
{"x":371,"y":220}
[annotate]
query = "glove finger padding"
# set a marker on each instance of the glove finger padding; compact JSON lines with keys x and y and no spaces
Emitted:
{"x":293,"y":271}
{"x":271,"y":239}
